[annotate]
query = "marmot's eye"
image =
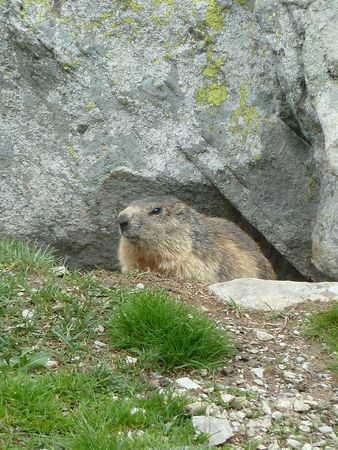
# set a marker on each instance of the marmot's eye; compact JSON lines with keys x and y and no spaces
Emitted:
{"x":156,"y":211}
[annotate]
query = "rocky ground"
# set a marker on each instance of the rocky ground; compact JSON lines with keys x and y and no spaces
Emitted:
{"x":276,"y":392}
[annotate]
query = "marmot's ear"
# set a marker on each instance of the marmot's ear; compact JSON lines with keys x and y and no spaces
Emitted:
{"x":180,"y":209}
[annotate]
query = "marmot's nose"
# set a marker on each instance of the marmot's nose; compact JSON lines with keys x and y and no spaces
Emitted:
{"x":123,"y":221}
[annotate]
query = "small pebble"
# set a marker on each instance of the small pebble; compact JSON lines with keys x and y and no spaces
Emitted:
{"x":227,"y":398}
{"x":131,"y":360}
{"x":292,"y":443}
{"x":258,"y":372}
{"x":299,"y":406}
{"x":194,"y":407}
{"x":274,"y":446}
{"x":263,"y":336}
{"x":289,"y":375}
{"x":27,"y":314}
{"x":325,"y":430}
{"x":276,"y":415}
{"x":51,"y":364}
{"x":60,"y":271}
{"x":187,"y":383}
{"x":284,"y":403}
{"x":139,"y":286}
{"x":266,"y":408}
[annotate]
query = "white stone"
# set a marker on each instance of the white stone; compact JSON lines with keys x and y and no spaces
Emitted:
{"x":187,"y":383}
{"x":270,"y":294}
{"x":274,"y":446}
{"x":325,"y":430}
{"x":60,"y":271}
{"x":299,"y":406}
{"x":263,"y":336}
{"x":300,"y":359}
{"x":258,"y":372}
{"x":284,"y":403}
{"x":218,"y":430}
{"x":227,"y":398}
{"x":252,"y":423}
{"x":289,"y":375}
{"x":196,"y":406}
{"x":130,"y":360}
{"x":292,"y":443}
{"x":27,"y":313}
{"x":139,"y":286}
{"x":307,"y":447}
{"x":51,"y":364}
{"x":277,"y":415}
{"x":99,"y":329}
{"x":266,"y":422}
{"x":99,"y":344}
{"x":251,"y":432}
{"x":266,"y":408}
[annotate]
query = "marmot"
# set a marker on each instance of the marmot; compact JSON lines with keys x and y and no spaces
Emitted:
{"x":164,"y":235}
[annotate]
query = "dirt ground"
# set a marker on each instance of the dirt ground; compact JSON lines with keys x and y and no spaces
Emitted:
{"x":294,"y":367}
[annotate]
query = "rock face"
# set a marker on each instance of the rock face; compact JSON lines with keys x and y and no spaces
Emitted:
{"x":267,"y":294}
{"x":232,"y":106}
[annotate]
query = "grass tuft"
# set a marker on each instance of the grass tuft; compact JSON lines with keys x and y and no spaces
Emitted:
{"x":25,"y":257}
{"x":166,"y":333}
{"x":324,"y":326}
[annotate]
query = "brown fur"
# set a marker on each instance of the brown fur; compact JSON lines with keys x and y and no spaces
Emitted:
{"x":180,"y":242}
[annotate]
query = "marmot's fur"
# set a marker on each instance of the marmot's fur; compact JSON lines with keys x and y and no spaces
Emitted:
{"x":164,"y":235}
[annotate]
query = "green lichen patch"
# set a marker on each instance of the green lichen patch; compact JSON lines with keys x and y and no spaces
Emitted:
{"x":70,"y":150}
{"x":105,"y":15}
{"x":212,"y":94}
{"x":41,"y":11}
{"x":245,"y":120}
{"x":164,"y":19}
{"x":89,"y":106}
{"x":28,"y":3}
{"x":69,"y":65}
{"x":213,"y":66}
{"x":214,"y":18}
{"x":128,"y":4}
{"x":123,"y":101}
{"x":161,"y":2}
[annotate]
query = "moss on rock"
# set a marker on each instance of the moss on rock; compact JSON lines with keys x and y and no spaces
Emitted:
{"x":212,"y":94}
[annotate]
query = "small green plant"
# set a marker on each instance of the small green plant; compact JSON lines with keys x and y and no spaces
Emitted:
{"x":24,"y":257}
{"x":27,"y":359}
{"x":166,"y":333}
{"x":324,"y":326}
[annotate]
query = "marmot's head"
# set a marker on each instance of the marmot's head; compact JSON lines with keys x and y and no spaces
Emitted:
{"x":153,"y":219}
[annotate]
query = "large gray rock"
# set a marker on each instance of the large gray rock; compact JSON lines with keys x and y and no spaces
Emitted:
{"x":273,"y":295}
{"x":231,"y":106}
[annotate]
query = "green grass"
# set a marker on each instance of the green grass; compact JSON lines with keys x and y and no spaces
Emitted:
{"x":324,"y":327}
{"x":22,"y":256}
{"x":167,"y":334}
{"x":88,"y":401}
{"x":77,"y":411}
